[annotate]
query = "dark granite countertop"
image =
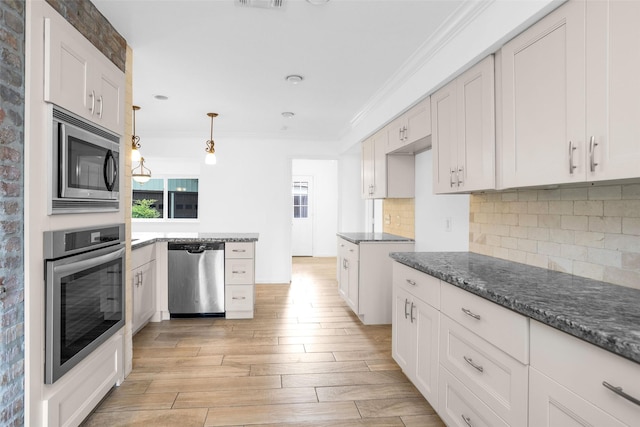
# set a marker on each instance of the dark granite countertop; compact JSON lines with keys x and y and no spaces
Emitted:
{"x":357,"y":238}
{"x":139,"y":240}
{"x":601,"y":313}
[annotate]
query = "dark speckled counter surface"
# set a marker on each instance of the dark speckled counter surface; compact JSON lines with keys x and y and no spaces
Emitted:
{"x":601,"y":313}
{"x":139,"y":240}
{"x":358,"y":238}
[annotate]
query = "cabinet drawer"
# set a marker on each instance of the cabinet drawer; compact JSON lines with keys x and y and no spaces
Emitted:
{"x":503,"y":328}
{"x":461,"y":408}
{"x":348,"y":249}
{"x":582,"y":368}
{"x":419,"y":284}
{"x":498,"y":379}
{"x":238,"y":249}
{"x":238,"y":271}
{"x":238,"y":298}
{"x":142,"y":255}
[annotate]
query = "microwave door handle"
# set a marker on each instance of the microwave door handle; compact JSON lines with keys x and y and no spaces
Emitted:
{"x":109,"y":158}
{"x":88,"y":263}
{"x":62,"y":153}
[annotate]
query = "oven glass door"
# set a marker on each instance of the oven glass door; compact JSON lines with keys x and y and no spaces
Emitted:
{"x":89,"y":165}
{"x":85,"y":306}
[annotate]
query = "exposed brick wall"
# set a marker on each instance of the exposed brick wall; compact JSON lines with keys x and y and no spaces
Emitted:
{"x":12,"y":104}
{"x":589,"y":232}
{"x":84,"y":16}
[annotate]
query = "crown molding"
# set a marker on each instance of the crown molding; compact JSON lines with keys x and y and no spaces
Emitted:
{"x":449,"y":29}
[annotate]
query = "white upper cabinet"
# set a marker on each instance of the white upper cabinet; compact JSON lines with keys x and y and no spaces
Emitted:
{"x":80,"y":79}
{"x":543,"y":100}
{"x":571,"y":97}
{"x":409,"y":133}
{"x":463,"y":121}
{"x":385,"y":176}
{"x":613,"y":90}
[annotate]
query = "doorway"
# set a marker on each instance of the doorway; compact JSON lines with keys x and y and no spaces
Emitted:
{"x":314,"y":207}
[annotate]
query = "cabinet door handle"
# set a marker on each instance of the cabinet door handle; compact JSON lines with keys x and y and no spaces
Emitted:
{"x":406,"y":303}
{"x":621,"y":393}
{"x":470,"y":313}
{"x":100,"y":100}
{"x":240,"y":298}
{"x":458,"y":174}
{"x":412,"y":318}
{"x":467,"y":420}
{"x":572,"y":148}
{"x":238,"y":272}
{"x":592,"y":148}
{"x":411,"y":282}
{"x":470,"y":361}
{"x":238,"y":250}
{"x":93,"y":102}
{"x":451,"y":183}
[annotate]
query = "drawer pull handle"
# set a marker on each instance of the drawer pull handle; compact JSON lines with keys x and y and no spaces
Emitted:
{"x":406,"y":303}
{"x":470,"y":361}
{"x":411,"y":282}
{"x":238,"y":272}
{"x":467,"y":420}
{"x":238,"y":297}
{"x":470,"y":313}
{"x":238,"y":250}
{"x":621,"y":393}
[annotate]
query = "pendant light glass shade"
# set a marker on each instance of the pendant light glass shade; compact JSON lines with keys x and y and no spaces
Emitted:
{"x":135,"y":140}
{"x":210,"y":158}
{"x":141,"y":173}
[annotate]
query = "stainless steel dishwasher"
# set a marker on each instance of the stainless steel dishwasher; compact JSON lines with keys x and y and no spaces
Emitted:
{"x":196,"y":279}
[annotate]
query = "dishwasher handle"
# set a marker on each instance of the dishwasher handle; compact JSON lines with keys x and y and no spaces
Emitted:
{"x":200,"y":249}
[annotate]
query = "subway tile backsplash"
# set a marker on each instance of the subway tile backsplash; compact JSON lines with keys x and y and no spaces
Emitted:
{"x":588,"y":231}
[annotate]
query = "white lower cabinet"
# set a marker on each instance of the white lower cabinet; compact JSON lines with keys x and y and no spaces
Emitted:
{"x":415,"y":340}
{"x":569,"y":379}
{"x":143,"y":283}
{"x":239,"y":280}
{"x":365,"y":278}
{"x":496,"y":367}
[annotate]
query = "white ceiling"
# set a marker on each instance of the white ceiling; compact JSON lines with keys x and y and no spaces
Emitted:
{"x":213,"y":55}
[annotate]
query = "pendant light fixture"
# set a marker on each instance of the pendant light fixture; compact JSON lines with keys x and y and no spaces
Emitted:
{"x":141,"y":173}
{"x":135,"y":140}
{"x":210,"y":158}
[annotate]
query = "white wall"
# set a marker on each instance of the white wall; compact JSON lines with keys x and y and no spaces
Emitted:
{"x":433,"y":210}
{"x":247,"y":191}
{"x":325,"y":202}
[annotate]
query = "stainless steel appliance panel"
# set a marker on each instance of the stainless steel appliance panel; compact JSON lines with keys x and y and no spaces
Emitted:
{"x":196,"y":279}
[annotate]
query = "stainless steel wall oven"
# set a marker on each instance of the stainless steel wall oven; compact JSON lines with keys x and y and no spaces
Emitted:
{"x":85,"y":166}
{"x":85,"y":293}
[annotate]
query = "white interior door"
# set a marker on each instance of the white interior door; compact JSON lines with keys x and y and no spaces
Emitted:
{"x":302,"y":216}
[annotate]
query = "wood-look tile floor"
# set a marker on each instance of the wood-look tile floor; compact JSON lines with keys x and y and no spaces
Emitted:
{"x":304,"y":360}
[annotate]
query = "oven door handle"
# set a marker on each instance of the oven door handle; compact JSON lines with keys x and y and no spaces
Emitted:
{"x":75,"y":267}
{"x":110,"y":159}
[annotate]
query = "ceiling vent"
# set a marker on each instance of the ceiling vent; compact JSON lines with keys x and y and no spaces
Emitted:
{"x":262,"y":4}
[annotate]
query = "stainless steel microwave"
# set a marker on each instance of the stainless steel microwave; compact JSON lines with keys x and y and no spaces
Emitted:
{"x":85,"y":166}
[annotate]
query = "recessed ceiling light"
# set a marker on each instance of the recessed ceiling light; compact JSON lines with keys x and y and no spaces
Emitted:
{"x":294,"y":79}
{"x":288,"y":114}
{"x":161,"y":97}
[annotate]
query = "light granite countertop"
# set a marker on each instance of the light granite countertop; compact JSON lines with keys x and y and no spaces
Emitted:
{"x":139,"y":240}
{"x":358,"y":238}
{"x":600,"y":313}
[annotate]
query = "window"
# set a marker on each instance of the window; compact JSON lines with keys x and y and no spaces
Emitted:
{"x":179,"y":195}
{"x":300,"y":199}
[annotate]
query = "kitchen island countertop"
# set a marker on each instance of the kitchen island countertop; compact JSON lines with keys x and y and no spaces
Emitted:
{"x":600,"y":313}
{"x":358,"y":238}
{"x":139,"y":240}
